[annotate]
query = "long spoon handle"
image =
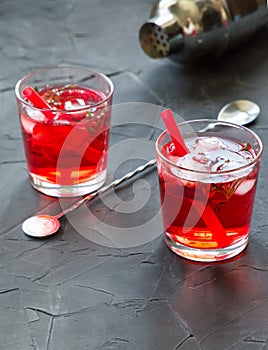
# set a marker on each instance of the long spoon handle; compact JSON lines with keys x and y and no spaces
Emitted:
{"x":106,"y":188}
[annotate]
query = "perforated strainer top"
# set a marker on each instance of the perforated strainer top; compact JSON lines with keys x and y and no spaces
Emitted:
{"x":154,"y":40}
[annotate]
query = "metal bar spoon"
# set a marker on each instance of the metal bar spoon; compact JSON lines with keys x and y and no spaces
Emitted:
{"x":41,"y":226}
{"x":239,"y":112}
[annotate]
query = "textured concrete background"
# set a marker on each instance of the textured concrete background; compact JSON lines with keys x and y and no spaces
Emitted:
{"x":68,"y":292}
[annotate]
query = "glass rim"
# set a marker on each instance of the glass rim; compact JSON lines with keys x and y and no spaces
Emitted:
{"x":84,"y":108}
{"x":221,"y":172}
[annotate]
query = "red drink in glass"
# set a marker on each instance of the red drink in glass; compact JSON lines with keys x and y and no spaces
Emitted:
{"x":66,"y":147}
{"x":207,"y":196}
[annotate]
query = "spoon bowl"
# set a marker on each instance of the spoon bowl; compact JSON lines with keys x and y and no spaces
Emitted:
{"x":239,"y":112}
{"x":40,"y":226}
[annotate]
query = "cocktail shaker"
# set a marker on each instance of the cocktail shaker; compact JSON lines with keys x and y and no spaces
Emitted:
{"x":200,"y":30}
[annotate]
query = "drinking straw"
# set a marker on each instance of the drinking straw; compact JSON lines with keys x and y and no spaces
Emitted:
{"x":206,"y":213}
{"x":37,"y":101}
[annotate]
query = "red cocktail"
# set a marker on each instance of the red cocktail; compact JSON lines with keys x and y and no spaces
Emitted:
{"x":207,"y":196}
{"x":66,"y":146}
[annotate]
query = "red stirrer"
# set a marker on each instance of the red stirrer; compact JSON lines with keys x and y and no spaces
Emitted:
{"x":174,"y":132}
{"x":207,"y":214}
{"x":37,"y":101}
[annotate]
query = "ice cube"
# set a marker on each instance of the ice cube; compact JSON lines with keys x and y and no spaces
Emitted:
{"x":27,"y":124}
{"x":71,"y":105}
{"x":35,"y":114}
{"x":185,"y":162}
{"x":245,"y":187}
{"x":201,"y":159}
{"x":174,"y":159}
{"x":188,"y":169}
{"x":210,"y":143}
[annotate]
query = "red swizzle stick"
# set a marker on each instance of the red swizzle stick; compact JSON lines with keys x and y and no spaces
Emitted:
{"x":174,"y":132}
{"x":37,"y":101}
{"x":206,"y":213}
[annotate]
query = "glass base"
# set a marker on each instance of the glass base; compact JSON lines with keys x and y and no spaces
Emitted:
{"x":55,"y":190}
{"x":206,"y":255}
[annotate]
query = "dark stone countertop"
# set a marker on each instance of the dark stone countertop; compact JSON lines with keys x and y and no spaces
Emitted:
{"x":71,"y":292}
